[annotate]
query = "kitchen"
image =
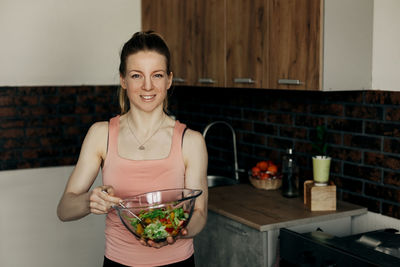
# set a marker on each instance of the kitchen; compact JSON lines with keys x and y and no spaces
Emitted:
{"x":52,"y":74}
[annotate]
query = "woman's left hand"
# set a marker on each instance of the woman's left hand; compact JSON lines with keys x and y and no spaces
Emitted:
{"x":169,"y":241}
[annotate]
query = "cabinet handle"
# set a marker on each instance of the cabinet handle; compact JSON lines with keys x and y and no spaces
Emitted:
{"x":290,"y":81}
{"x":243,"y":80}
{"x":235,"y":230}
{"x":178,"y":80}
{"x":206,"y":80}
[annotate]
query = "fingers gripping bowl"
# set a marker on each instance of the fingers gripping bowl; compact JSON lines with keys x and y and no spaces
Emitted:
{"x":159,"y":214}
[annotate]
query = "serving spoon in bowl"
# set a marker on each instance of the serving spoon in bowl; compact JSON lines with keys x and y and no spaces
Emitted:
{"x":131,"y":213}
{"x":127,"y":209}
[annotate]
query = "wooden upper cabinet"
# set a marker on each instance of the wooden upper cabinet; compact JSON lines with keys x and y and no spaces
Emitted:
{"x":294,"y":39}
{"x":245,"y":29}
{"x":175,"y":21}
{"x":320,"y":44}
{"x":209,"y":42}
{"x":275,"y":44}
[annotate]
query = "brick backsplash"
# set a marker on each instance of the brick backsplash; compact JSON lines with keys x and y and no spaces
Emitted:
{"x":364,"y":127}
{"x":45,"y":126}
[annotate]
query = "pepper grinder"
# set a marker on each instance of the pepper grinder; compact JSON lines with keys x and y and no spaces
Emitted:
{"x":289,"y":172}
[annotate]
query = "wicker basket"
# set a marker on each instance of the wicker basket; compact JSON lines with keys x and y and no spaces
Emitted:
{"x":267,"y":184}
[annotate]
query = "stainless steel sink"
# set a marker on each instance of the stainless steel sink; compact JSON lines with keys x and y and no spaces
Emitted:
{"x":215,"y":180}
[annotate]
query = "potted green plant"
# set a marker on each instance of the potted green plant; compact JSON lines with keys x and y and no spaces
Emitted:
{"x":321,"y":162}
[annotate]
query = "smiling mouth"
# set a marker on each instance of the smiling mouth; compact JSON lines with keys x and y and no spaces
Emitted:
{"x":148,"y":97}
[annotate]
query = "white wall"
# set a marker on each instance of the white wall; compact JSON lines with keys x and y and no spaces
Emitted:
{"x":47,"y":42}
{"x":386,"y":46}
{"x":74,"y":42}
{"x":30,"y":232}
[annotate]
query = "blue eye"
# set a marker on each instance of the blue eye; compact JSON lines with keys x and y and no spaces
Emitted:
{"x":158,"y":75}
{"x":135,"y":76}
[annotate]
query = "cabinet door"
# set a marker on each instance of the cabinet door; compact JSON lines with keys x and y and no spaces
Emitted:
{"x":245,"y":31}
{"x":242,"y":245}
{"x":210,"y":43}
{"x":174,"y":20}
{"x":294,"y":56}
{"x":224,"y":242}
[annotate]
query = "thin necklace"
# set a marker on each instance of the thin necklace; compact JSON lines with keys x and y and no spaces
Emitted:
{"x":141,"y":144}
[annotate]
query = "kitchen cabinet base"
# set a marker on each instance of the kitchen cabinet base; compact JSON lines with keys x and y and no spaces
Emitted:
{"x":224,"y":242}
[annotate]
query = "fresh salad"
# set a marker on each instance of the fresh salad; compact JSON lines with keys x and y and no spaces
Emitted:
{"x":159,"y":223}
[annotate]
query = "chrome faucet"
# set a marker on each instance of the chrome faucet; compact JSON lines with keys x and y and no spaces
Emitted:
{"x":236,"y":167}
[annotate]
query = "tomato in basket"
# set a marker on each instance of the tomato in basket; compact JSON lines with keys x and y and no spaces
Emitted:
{"x":263,"y":165}
{"x":264,"y":176}
{"x":255,"y":171}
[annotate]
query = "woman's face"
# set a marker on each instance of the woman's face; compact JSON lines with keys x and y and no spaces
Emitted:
{"x":146,"y":80}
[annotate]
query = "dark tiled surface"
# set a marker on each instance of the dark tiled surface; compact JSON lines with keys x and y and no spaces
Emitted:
{"x":45,"y":126}
{"x":363,"y":134}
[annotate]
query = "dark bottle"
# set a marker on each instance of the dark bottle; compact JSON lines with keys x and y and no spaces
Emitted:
{"x":289,"y":172}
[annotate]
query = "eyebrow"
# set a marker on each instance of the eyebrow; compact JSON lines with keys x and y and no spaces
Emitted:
{"x":129,"y":71}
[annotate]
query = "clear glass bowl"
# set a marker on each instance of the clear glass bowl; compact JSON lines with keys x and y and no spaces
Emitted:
{"x":163,"y":213}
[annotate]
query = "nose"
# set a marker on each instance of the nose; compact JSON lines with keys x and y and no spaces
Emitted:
{"x":148,"y":84}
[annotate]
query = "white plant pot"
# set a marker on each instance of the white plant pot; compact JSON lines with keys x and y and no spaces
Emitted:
{"x":321,"y":168}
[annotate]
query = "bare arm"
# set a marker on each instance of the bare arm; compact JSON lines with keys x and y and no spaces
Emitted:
{"x":77,"y":201}
{"x":196,"y":160}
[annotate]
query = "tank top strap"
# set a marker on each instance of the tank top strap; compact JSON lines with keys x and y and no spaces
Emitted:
{"x":113,"y":128}
{"x":177,"y":137}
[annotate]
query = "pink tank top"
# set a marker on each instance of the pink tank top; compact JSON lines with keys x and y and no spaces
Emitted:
{"x":131,"y":177}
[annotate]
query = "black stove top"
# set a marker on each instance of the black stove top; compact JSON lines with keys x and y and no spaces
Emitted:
{"x":375,"y":248}
{"x":386,"y":241}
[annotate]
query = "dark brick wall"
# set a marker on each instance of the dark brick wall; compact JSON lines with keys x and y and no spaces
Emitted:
{"x":45,"y":126}
{"x":364,"y":131}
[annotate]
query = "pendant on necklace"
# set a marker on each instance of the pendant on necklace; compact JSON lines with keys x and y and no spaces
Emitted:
{"x":141,"y":147}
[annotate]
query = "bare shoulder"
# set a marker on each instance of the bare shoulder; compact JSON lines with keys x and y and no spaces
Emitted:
{"x":98,"y":131}
{"x":193,"y":138}
{"x":96,"y":138}
{"x":99,"y":127}
{"x":193,"y":141}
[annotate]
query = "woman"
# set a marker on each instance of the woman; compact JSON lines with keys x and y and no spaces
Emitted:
{"x":141,"y":150}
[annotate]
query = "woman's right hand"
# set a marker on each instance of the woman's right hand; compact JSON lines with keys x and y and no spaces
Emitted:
{"x":102,"y":199}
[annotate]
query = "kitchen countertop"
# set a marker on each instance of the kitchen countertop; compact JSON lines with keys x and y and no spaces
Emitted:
{"x":266,"y":210}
